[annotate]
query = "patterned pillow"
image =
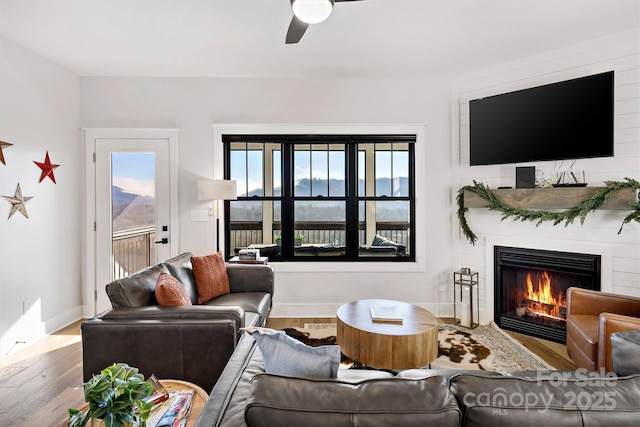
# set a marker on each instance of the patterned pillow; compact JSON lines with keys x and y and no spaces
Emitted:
{"x":170,"y":292}
{"x":287,"y":356}
{"x":210,"y":275}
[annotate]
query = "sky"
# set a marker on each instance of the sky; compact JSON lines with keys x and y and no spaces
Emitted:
{"x":134,"y":172}
{"x":246,"y":167}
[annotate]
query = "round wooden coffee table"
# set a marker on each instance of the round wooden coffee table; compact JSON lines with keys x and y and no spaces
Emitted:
{"x":410,"y":344}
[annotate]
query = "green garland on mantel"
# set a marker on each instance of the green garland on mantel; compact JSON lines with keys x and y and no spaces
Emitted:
{"x":599,"y":198}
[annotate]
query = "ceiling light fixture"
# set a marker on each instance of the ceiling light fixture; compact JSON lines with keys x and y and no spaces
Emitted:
{"x":312,"y":11}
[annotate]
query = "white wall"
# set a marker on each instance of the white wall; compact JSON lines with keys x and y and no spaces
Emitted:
{"x":621,"y":53}
{"x":42,"y":107}
{"x":40,"y":256}
{"x":194,"y":105}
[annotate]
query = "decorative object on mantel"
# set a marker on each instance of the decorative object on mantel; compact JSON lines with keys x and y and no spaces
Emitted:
{"x":47,"y":168}
{"x":599,"y":198}
{"x":3,"y":145}
{"x":18,"y":202}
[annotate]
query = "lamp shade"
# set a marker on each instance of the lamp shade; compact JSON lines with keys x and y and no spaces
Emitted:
{"x":217,"y":189}
{"x":312,"y":11}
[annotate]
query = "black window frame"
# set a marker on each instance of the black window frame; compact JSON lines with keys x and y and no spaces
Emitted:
{"x":352,"y":198}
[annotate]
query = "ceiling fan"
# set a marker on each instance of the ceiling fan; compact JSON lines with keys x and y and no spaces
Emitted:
{"x":305,"y":13}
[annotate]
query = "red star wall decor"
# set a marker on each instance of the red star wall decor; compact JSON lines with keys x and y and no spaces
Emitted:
{"x":47,"y":169}
{"x":3,"y":145}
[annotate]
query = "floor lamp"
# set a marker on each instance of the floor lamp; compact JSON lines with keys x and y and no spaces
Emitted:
{"x":217,"y":190}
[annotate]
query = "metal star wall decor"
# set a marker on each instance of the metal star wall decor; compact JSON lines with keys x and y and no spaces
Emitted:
{"x":3,"y":145}
{"x":18,"y":202}
{"x":47,"y":169}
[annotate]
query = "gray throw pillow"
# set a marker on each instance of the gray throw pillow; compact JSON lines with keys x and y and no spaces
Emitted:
{"x":378,"y":240}
{"x":287,"y":356}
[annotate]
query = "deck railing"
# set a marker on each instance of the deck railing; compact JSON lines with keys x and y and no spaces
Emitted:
{"x":246,"y":233}
{"x":133,"y":250}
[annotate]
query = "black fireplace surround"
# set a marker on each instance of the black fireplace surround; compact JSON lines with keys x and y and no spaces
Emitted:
{"x":530,"y":288}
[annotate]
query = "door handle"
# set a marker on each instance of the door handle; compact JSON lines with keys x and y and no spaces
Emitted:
{"x":164,"y":241}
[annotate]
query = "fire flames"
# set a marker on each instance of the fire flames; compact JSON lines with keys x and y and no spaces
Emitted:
{"x":541,"y":301}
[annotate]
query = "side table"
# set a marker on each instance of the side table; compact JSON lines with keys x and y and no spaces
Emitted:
{"x":74,"y":398}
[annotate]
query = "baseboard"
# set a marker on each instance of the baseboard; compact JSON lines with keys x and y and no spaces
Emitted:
{"x":63,"y":320}
{"x":329,"y":310}
{"x":29,"y":329}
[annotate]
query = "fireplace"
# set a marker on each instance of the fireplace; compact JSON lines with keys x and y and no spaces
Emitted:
{"x":531,"y":285}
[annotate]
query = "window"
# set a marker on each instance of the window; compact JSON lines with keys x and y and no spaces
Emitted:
{"x":329,"y":197}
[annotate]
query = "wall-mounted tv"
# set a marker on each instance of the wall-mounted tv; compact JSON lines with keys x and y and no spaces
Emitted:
{"x":572,"y":119}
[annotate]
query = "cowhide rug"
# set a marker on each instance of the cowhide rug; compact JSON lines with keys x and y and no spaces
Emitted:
{"x":483,"y":348}
{"x":457,"y":349}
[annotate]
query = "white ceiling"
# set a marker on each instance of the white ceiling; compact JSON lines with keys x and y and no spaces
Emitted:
{"x":245,"y":38}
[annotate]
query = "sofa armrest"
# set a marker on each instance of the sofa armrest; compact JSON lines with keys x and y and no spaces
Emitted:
{"x":610,"y":323}
{"x":585,"y":301}
{"x":190,"y":313}
{"x":220,"y":397}
{"x":251,"y":278}
{"x":192,"y":350}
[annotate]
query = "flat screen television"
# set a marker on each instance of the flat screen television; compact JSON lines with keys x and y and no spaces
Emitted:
{"x":572,"y":119}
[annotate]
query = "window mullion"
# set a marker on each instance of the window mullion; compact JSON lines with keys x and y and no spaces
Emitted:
{"x":286,"y":208}
{"x":352,"y":239}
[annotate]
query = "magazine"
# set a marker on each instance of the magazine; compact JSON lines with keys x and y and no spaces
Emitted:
{"x":159,"y":410}
{"x":178,"y":411}
{"x":385,"y":313}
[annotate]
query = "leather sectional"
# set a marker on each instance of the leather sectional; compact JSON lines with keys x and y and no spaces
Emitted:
{"x":191,"y":343}
{"x":246,"y":396}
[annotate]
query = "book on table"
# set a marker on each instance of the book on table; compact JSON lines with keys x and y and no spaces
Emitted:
{"x":173,"y":410}
{"x":249,"y":254}
{"x":385,"y":313}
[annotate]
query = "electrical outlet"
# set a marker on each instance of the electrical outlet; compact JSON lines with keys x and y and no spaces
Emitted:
{"x":210,"y":210}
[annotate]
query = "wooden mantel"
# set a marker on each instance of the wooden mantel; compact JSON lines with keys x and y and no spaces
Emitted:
{"x":551,"y":198}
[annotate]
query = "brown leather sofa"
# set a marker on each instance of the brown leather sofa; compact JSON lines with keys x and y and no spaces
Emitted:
{"x":191,"y":343}
{"x":246,"y":396}
{"x":592,"y":317}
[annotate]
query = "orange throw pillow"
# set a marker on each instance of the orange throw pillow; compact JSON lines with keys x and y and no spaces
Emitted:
{"x":170,"y":292}
{"x":210,"y":274}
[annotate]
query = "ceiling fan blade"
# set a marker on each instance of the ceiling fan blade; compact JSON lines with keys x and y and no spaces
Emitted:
{"x":296,"y":30}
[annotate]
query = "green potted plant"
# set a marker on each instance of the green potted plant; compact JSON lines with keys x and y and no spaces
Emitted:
{"x":278,"y":239}
{"x":298,"y":239}
{"x":115,"y":397}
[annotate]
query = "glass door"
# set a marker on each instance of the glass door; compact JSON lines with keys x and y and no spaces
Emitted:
{"x":133,"y":214}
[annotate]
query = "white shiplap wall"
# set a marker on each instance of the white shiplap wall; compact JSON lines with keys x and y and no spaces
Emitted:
{"x":599,"y":233}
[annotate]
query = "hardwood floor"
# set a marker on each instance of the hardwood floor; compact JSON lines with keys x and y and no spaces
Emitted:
{"x":38,"y":383}
{"x":35,"y":380}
